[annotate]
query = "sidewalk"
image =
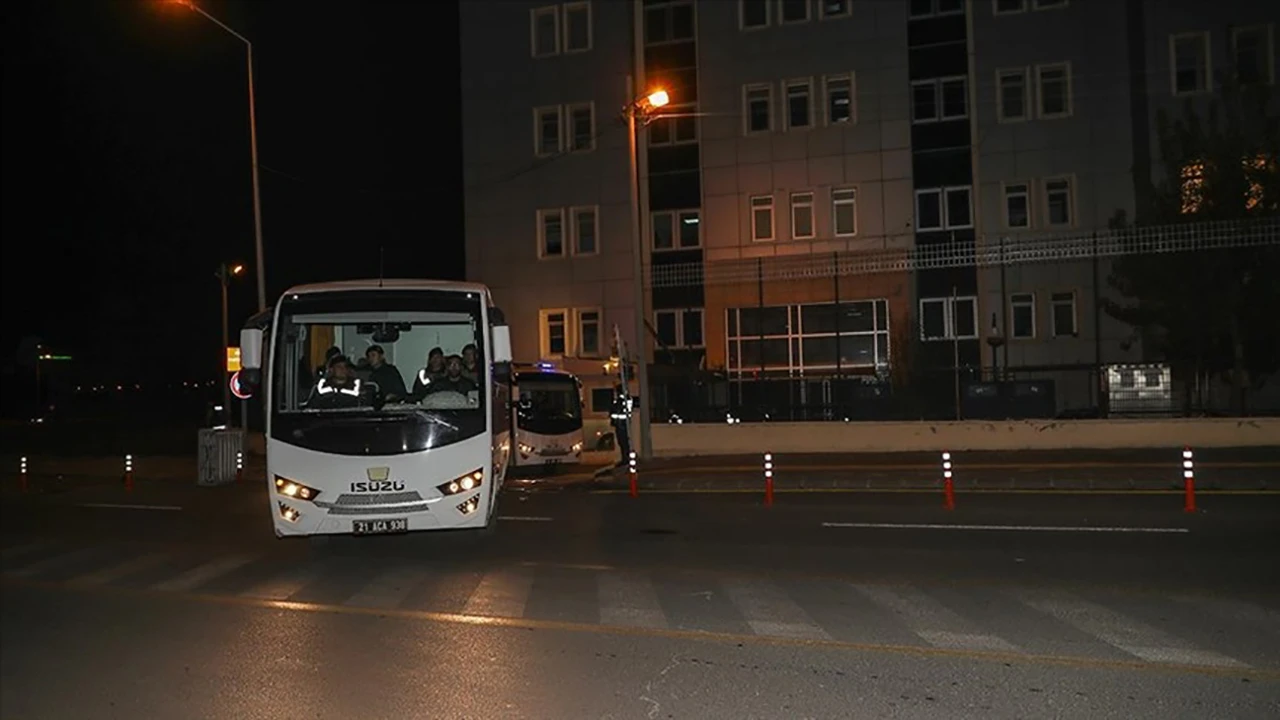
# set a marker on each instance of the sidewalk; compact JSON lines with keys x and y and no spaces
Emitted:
{"x":1250,"y":469}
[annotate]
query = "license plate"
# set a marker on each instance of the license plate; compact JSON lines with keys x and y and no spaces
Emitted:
{"x":379,"y":527}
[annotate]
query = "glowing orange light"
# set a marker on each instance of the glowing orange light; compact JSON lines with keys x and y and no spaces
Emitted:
{"x":658,"y":98}
{"x":237,"y":269}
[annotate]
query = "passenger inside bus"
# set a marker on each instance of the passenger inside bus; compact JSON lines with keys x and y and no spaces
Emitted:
{"x":385,"y":375}
{"x":453,"y":380}
{"x":339,"y":388}
{"x":470,"y":363}
{"x":433,"y":372}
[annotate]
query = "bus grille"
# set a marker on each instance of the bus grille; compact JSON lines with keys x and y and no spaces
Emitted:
{"x":376,"y":504}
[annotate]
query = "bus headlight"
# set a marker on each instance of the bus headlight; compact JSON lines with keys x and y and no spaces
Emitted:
{"x":290,"y":514}
{"x":577,"y":447}
{"x":294,"y":489}
{"x":467,"y":482}
{"x":526,"y":450}
{"x":469,"y":506}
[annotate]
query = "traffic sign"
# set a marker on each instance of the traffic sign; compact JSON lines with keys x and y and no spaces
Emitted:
{"x":237,"y":389}
{"x":233,"y":359}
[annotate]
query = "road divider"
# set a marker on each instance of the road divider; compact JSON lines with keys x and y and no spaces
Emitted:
{"x":768,"y":479}
{"x":1189,"y":480}
{"x":631,"y":471}
{"x":1006,"y":528}
{"x":22,"y":475}
{"x":948,"y":490}
{"x":128,"y":473}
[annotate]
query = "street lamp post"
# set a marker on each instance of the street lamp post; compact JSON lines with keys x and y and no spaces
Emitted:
{"x":253,"y":154}
{"x":224,"y":274}
{"x":641,"y":107}
{"x":995,"y":340}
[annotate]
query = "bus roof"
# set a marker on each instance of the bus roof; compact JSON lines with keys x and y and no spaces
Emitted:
{"x":389,"y":284}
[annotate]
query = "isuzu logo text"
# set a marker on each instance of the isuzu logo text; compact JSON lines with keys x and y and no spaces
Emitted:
{"x":376,"y":485}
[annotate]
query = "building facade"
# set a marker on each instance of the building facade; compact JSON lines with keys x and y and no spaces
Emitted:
{"x":841,"y":195}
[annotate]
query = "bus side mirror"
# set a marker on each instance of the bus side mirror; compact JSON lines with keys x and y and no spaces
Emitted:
{"x":501,"y":344}
{"x":251,"y":349}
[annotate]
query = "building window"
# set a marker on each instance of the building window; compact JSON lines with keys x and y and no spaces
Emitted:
{"x":1054,"y":90}
{"x":952,"y":318}
{"x":554,"y":332}
{"x":677,"y":230}
{"x":674,"y":126}
{"x":1012,"y":94}
{"x":1063,"y":305}
{"x":802,"y":215}
{"x":1050,"y":4}
{"x":551,"y":233}
{"x":1022,"y":311}
{"x":1017,"y":206}
{"x":940,"y":99}
{"x":679,"y":328}
{"x":757,"y":101}
{"x":799,"y":104}
{"x":544,"y":32}
{"x":589,"y":336}
{"x":1253,"y":55}
{"x":959,"y":208}
{"x":753,"y":14}
{"x":944,"y":208}
{"x":929,"y":210}
{"x":546,"y":131}
{"x":793,"y":11}
{"x":1189,"y":59}
{"x":816,"y":339}
{"x":577,"y":27}
{"x":762,"y":217}
{"x":586,"y":231}
{"x":844,"y":212}
{"x":582,"y":127}
{"x":935,"y":8}
{"x":1058,"y":202}
{"x":835,"y":8}
{"x":839,"y":91}
{"x":1008,"y":7}
{"x":668,"y":23}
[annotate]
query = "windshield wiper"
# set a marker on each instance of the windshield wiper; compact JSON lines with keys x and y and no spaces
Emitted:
{"x":434,"y":418}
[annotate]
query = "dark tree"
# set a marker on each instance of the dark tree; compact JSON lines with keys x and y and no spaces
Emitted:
{"x":1211,"y":312}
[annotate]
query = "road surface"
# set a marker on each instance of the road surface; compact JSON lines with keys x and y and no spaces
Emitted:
{"x":176,"y":602}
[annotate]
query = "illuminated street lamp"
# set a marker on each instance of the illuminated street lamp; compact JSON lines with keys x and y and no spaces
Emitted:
{"x":253,"y":152}
{"x":224,"y":273}
{"x":642,"y":108}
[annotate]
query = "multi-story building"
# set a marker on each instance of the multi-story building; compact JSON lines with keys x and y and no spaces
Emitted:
{"x":813,"y":199}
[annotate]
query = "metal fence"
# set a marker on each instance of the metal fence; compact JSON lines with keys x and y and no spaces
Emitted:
{"x":965,"y":393}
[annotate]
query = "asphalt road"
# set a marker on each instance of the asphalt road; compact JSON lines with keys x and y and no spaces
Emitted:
{"x":676,"y":605}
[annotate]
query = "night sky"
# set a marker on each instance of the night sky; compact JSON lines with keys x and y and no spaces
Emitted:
{"x":127,"y":169}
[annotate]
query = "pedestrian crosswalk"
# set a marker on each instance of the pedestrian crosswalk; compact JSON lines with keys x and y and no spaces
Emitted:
{"x":1218,"y":631}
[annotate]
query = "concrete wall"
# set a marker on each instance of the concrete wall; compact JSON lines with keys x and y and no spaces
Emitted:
{"x":693,"y":440}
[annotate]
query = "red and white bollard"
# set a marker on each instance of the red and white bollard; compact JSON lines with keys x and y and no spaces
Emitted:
{"x":239,"y":466}
{"x":22,"y":474}
{"x":128,"y":473}
{"x":1189,"y":479}
{"x":631,"y":470}
{"x":948,"y":490}
{"x":768,"y":479}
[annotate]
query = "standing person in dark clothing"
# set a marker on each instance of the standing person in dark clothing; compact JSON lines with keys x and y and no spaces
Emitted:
{"x":384,"y":374}
{"x":620,"y":417}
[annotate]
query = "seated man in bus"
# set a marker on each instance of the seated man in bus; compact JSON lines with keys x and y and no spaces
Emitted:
{"x":426,"y":376}
{"x":385,"y":375}
{"x":339,"y":388}
{"x":470,"y":363}
{"x":453,"y":380}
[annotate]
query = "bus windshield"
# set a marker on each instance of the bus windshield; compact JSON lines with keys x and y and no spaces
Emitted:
{"x":548,"y":401}
{"x":378,"y":372}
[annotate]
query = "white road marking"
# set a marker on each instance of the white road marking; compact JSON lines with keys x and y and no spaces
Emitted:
{"x":120,"y":506}
{"x":525,"y":518}
{"x":501,"y":593}
{"x":933,"y":622}
{"x":388,"y":589}
{"x":115,"y":572}
{"x":202,"y":574}
{"x":628,"y":599}
{"x":1011,"y":528}
{"x":769,"y":611}
{"x":1119,"y":631}
{"x":283,"y":585}
{"x":52,"y":563}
